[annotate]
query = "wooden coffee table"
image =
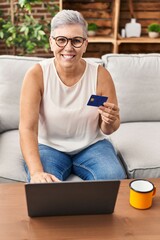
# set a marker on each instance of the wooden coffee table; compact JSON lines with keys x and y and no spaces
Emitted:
{"x":125,"y":223}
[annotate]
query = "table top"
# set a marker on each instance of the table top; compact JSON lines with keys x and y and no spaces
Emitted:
{"x":125,"y":223}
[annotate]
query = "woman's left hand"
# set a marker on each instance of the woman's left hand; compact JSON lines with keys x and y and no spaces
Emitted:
{"x":109,"y":112}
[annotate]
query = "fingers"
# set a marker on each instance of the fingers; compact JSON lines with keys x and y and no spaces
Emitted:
{"x":43,"y":177}
{"x":110,"y":107}
{"x":48,"y":179}
{"x":54,"y":179}
{"x":109,"y":112}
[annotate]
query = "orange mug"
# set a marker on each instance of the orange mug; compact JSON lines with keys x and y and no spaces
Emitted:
{"x":141,"y":193}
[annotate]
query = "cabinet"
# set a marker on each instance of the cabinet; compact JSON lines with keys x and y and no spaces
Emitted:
{"x":114,"y":6}
{"x":145,"y":12}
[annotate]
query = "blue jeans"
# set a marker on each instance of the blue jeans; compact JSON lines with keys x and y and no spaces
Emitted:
{"x":97,"y":162}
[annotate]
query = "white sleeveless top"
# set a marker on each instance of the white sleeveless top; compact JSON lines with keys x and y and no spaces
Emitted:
{"x":66,"y":123}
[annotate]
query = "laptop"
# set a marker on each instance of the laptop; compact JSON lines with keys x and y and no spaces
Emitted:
{"x":71,"y":198}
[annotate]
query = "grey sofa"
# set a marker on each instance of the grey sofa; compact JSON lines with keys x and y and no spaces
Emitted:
{"x":137,"y":82}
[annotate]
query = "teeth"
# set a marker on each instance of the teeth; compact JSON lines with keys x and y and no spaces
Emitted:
{"x":67,"y":57}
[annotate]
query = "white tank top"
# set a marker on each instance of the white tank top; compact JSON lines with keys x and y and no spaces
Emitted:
{"x":66,"y":123}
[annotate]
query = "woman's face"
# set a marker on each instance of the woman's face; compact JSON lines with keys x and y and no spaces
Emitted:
{"x":68,"y":55}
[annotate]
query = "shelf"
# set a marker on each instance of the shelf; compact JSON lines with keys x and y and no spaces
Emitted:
{"x":138,"y":40}
{"x":105,"y":13}
{"x":98,"y":39}
{"x":114,"y":38}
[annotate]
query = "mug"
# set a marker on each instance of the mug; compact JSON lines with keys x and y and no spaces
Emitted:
{"x":141,"y":193}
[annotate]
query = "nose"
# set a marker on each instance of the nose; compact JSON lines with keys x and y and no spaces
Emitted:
{"x":69,"y":45}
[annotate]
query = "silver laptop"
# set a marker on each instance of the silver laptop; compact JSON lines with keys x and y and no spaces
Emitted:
{"x":71,"y":198}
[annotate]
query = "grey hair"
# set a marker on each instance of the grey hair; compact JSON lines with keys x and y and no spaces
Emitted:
{"x":68,"y":17}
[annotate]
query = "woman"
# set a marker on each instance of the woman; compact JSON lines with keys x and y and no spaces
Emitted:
{"x":59,"y":133}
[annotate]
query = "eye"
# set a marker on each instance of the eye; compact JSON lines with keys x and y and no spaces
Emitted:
{"x":77,"y":40}
{"x":61,"y":40}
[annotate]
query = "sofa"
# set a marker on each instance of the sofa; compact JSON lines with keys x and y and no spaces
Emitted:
{"x":137,"y":141}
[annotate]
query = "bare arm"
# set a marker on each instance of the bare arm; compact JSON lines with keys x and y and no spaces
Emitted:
{"x":31,"y":94}
{"x":109,"y":113}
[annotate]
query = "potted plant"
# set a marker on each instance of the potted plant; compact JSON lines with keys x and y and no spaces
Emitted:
{"x":25,"y":34}
{"x":92,"y":28}
{"x":154,"y":30}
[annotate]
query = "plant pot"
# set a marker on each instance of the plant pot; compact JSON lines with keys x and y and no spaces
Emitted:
{"x":91,"y":33}
{"x":153,"y":34}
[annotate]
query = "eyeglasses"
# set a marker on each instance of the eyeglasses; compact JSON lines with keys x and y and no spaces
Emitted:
{"x":76,"y":42}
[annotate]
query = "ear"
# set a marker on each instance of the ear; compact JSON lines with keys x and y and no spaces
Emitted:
{"x":51,"y":43}
{"x":85,"y":45}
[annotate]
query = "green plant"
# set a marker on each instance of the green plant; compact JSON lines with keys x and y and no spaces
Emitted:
{"x":154,"y":27}
{"x":26,"y":33}
{"x":27,"y":37}
{"x":7,"y":31}
{"x":27,"y":5}
{"x":92,"y":27}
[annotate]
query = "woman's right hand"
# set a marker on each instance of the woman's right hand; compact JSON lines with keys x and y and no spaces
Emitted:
{"x":43,"y":177}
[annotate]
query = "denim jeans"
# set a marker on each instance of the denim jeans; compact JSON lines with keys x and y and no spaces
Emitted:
{"x":97,"y":162}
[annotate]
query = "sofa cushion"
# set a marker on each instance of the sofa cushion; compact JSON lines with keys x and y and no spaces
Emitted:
{"x":95,"y":60}
{"x":137,"y":82}
{"x":12,"y":71}
{"x":138,"y":145}
{"x":11,"y":161}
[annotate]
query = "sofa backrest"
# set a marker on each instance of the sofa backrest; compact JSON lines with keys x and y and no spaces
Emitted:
{"x":12,"y":71}
{"x":137,"y":82}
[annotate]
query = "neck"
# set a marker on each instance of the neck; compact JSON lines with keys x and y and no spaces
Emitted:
{"x":71,"y":75}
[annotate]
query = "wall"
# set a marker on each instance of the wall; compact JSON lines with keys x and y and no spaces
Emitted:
{"x":101,"y":12}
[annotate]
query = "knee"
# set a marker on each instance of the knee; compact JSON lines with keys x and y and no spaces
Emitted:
{"x":111,"y":173}
{"x":108,"y":170}
{"x":83,"y":172}
{"x":100,"y":173}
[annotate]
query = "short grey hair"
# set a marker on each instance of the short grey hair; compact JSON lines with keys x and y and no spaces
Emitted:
{"x":69,"y":17}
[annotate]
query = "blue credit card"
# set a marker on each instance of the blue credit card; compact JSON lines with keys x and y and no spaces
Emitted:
{"x":96,"y":100}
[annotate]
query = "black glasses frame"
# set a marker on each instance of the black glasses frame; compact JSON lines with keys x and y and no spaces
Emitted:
{"x":69,"y":39}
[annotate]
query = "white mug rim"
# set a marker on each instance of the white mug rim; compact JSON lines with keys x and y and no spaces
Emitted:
{"x":141,"y":191}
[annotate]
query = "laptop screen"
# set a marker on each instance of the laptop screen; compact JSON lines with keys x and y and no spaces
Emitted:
{"x":71,"y":198}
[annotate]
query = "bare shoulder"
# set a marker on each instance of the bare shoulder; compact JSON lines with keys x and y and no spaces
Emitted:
{"x":105,"y":82}
{"x":35,"y":71}
{"x":34,"y":77}
{"x":103,"y":74}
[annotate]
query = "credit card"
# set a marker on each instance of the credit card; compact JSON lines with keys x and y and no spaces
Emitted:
{"x":96,"y":100}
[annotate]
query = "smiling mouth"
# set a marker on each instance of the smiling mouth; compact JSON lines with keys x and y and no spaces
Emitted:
{"x":68,"y":57}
